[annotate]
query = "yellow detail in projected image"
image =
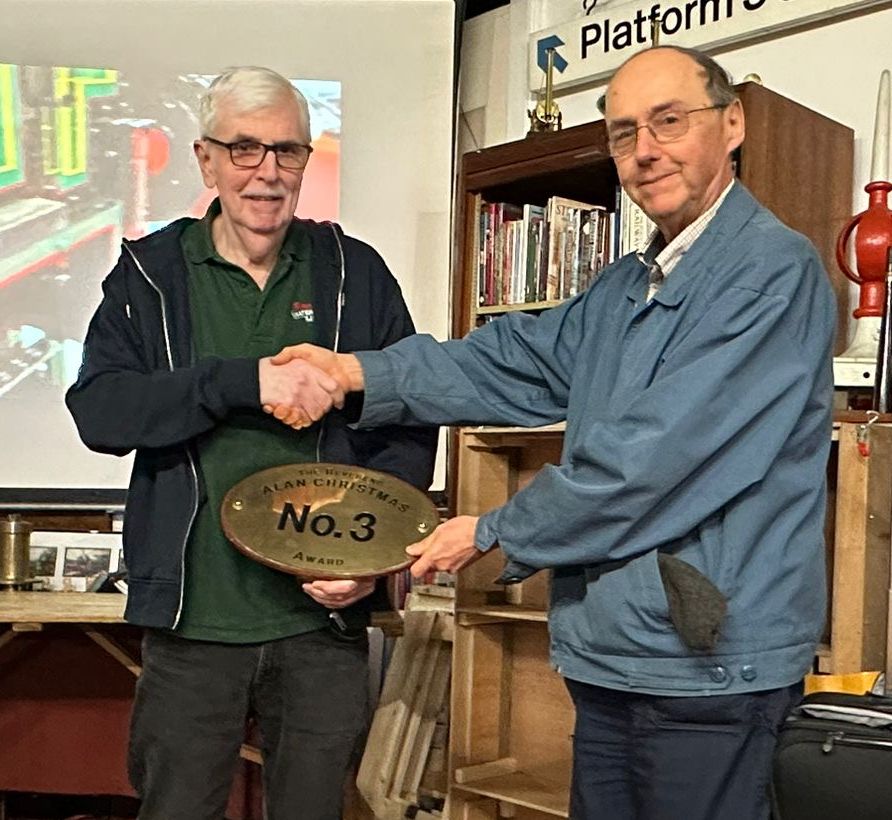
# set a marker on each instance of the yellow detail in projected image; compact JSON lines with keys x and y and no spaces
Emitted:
{"x":65,"y":127}
{"x":10,"y":163}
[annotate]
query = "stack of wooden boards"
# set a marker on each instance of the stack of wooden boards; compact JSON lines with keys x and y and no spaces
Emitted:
{"x":405,"y":755}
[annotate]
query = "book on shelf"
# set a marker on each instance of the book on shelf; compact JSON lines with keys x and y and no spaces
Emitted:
{"x":635,"y":226}
{"x":533,"y":253}
{"x":496,"y":238}
{"x":575,"y":232}
{"x":534,"y":222}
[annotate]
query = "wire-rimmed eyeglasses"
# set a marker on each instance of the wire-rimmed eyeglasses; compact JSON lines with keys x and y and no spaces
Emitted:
{"x":293,"y":156}
{"x":664,"y":126}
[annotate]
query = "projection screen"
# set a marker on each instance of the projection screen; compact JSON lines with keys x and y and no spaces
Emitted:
{"x":97,"y":116}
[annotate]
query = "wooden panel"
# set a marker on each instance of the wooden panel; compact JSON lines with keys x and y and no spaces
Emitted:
{"x":810,"y":190}
{"x":526,"y":790}
{"x":478,"y":659}
{"x":830,"y":529}
{"x":580,"y":147}
{"x":535,"y":591}
{"x":470,"y":807}
{"x":849,"y":559}
{"x":488,"y":477}
{"x":538,"y":698}
{"x":534,"y":455}
{"x":67,"y":521}
{"x":464,"y":296}
{"x":511,"y":725}
{"x":877,"y":549}
{"x":861,"y":552}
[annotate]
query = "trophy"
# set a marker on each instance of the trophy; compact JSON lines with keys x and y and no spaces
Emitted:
{"x":545,"y":115}
{"x":327,"y":521}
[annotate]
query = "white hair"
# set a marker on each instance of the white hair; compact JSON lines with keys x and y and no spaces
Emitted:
{"x":246,"y":89}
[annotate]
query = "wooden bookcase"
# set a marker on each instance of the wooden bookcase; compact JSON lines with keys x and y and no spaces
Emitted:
{"x":794,"y":161}
{"x":510,"y":745}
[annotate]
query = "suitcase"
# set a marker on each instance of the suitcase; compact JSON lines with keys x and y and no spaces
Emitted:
{"x":834,"y":759}
{"x":834,"y":755}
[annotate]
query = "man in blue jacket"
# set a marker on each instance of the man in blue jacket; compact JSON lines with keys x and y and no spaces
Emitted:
{"x":177,"y":367}
{"x":684,"y":523}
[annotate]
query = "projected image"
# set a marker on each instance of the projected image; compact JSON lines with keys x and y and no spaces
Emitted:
{"x":88,"y":155}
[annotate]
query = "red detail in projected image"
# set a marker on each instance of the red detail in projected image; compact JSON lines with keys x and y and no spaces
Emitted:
{"x":158,"y":153}
{"x":321,"y":187}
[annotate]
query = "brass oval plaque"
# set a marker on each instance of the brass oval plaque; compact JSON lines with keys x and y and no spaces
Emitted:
{"x":327,"y":520}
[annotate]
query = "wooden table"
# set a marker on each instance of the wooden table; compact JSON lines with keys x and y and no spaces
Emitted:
{"x":29,"y":611}
{"x":26,"y":612}
{"x":54,"y":698}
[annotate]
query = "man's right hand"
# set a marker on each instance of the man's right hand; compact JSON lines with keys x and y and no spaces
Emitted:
{"x":295,"y":391}
{"x":344,"y":367}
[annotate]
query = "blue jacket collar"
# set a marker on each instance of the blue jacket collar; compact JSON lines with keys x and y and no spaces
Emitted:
{"x":737,"y":209}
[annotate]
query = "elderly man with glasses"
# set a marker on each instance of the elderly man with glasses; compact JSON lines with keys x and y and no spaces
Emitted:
{"x":684,"y":524}
{"x":177,"y":367}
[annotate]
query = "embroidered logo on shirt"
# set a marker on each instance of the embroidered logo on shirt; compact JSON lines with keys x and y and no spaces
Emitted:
{"x":302,"y":311}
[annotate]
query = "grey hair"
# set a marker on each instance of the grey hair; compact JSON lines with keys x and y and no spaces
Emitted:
{"x":248,"y":88}
{"x":716,"y":80}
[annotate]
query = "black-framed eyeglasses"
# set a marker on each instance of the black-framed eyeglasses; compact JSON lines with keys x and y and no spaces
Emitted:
{"x":664,"y":126}
{"x":293,"y":156}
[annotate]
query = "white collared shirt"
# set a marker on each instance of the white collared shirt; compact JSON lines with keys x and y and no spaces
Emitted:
{"x":665,"y":259}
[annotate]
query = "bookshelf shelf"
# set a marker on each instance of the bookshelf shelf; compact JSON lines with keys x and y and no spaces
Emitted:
{"x":527,"y":789}
{"x":490,"y":310}
{"x":474,"y":615}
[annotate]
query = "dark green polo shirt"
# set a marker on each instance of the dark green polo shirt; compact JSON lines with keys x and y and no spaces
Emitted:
{"x":229,"y":597}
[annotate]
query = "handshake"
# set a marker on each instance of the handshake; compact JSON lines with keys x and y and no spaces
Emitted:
{"x":301,"y":383}
{"x":298,"y":386}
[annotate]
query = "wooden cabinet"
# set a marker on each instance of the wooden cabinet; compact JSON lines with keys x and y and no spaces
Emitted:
{"x":512,"y":718}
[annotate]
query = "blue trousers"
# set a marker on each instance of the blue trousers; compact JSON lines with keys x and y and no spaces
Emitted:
{"x":645,"y":757}
{"x":309,"y":694}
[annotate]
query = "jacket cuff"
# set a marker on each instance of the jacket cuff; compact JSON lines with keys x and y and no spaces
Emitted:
{"x":381,"y":405}
{"x":239,"y":382}
{"x":485,"y":536}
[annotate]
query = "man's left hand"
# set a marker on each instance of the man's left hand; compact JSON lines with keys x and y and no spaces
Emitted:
{"x":338,"y":594}
{"x":449,"y":547}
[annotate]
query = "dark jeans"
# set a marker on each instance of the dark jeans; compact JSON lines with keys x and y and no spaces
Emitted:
{"x":644,"y":757}
{"x":309,"y":694}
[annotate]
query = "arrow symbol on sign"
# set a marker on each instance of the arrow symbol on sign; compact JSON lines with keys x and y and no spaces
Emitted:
{"x":542,"y":53}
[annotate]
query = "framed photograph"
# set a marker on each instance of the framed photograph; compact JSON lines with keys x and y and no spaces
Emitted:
{"x":43,"y":561}
{"x":73,"y":561}
{"x":85,"y":562}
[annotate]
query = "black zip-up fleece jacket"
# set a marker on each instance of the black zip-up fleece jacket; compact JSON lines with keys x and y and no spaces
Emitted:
{"x":140,"y":389}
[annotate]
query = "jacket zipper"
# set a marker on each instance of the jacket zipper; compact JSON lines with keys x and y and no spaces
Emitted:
{"x":842,"y":739}
{"x":339,"y":307}
{"x":192,"y":466}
